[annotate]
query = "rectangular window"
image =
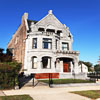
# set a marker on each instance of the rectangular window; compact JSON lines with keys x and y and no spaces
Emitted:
{"x":56,"y":43}
{"x":47,"y":43}
{"x":65,"y":46}
{"x":34,"y":43}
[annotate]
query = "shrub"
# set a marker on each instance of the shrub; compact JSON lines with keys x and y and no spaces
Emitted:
{"x":8,"y":74}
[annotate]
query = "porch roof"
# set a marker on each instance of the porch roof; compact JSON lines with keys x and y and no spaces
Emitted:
{"x":68,"y":52}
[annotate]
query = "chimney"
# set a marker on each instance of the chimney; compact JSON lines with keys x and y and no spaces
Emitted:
{"x":24,"y":19}
{"x":25,"y":15}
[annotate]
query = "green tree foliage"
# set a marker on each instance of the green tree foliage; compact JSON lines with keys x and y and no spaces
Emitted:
{"x":9,"y":70}
{"x":97,"y":68}
{"x":5,"y":57}
{"x":88,"y":64}
{"x":1,"y":51}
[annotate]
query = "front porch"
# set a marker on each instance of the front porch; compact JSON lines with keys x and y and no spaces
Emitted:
{"x":55,"y":64}
{"x":64,"y":65}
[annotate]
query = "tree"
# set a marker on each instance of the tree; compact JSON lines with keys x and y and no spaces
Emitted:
{"x":1,"y":54}
{"x":5,"y":57}
{"x":88,"y":64}
{"x":97,"y":67}
{"x":1,"y":51}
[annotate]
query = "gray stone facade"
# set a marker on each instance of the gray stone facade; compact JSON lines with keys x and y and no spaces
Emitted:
{"x":53,"y":46}
{"x":48,"y":47}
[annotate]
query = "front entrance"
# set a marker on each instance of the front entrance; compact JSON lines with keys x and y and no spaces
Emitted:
{"x":65,"y":63}
{"x":65,"y":67}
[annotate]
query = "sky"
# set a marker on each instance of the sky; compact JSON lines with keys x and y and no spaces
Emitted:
{"x":81,"y":16}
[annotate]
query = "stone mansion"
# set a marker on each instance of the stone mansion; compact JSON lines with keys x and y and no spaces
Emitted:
{"x":44,"y":47}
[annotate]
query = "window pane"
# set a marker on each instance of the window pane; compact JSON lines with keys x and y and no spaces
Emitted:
{"x":34,"y":62}
{"x":47,"y":43}
{"x":46,"y":62}
{"x":65,"y":46}
{"x":34,"y":42}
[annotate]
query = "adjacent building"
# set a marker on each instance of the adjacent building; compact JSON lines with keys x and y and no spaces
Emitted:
{"x":44,"y":47}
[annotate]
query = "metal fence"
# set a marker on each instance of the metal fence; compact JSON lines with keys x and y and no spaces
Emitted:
{"x":94,"y":75}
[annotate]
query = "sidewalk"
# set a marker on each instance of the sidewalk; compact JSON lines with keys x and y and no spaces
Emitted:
{"x":75,"y":85}
{"x":1,"y":93}
{"x":46,"y":93}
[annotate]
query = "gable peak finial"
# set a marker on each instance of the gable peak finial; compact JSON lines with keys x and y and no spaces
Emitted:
{"x":50,"y":12}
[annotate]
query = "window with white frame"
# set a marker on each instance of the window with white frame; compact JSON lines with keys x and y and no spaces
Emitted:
{"x":47,"y":43}
{"x":34,"y":43}
{"x":65,"y":46}
{"x":46,"y":62}
{"x":34,"y":62}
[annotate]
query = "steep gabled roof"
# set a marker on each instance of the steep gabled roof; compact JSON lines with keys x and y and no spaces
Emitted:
{"x":50,"y":19}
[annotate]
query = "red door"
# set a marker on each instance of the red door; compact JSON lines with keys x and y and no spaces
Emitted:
{"x":65,"y":67}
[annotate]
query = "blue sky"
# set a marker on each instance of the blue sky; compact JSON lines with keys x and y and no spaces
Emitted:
{"x":81,"y":16}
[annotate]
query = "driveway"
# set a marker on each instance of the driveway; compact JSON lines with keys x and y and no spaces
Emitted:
{"x":46,"y":93}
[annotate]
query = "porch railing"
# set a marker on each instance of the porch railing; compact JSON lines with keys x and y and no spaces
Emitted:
{"x":67,"y":52}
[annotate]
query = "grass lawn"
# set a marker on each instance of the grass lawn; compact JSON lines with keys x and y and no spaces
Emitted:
{"x":16,"y":97}
{"x":66,"y":81}
{"x":93,"y":94}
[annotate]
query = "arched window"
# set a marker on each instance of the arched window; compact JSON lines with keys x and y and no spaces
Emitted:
{"x":46,"y":62}
{"x":34,"y":62}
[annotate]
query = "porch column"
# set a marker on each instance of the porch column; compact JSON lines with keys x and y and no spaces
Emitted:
{"x":75,"y":67}
{"x":71,"y":66}
{"x":53,"y":60}
{"x":61,"y":66}
{"x":39,"y":63}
